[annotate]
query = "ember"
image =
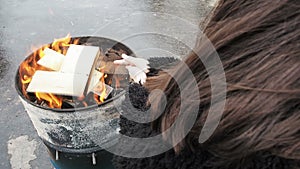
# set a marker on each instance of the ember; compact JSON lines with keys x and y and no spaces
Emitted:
{"x":69,"y":74}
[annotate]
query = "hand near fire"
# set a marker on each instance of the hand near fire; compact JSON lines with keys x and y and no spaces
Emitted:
{"x":137,"y":67}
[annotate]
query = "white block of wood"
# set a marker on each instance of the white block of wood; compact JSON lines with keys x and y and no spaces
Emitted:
{"x":58,"y":83}
{"x":52,"y":59}
{"x":76,"y":76}
{"x":80,"y":59}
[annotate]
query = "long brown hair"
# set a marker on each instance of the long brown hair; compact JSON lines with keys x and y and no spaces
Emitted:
{"x":258,"y":42}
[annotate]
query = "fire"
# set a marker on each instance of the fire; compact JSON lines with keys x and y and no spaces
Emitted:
{"x":53,"y":101}
{"x":103,"y":93}
{"x":63,"y":42}
{"x":29,"y":66}
{"x":97,"y":98}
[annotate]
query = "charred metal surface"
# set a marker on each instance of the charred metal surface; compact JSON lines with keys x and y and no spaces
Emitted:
{"x":60,"y":135}
{"x":90,"y":128}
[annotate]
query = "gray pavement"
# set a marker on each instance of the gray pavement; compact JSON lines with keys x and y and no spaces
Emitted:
{"x":148,"y":27}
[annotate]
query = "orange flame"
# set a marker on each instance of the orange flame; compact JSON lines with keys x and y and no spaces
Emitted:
{"x":101,"y":88}
{"x":30,"y":66}
{"x":53,"y":101}
{"x":103,"y":93}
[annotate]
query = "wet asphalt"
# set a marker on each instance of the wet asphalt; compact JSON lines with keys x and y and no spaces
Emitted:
{"x":149,"y":27}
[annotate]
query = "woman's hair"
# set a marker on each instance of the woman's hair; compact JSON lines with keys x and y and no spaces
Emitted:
{"x":258,"y":42}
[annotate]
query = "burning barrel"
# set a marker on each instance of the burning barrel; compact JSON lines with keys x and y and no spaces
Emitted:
{"x":75,"y":127}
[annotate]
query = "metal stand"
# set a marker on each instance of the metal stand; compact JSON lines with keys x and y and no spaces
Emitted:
{"x":66,"y":160}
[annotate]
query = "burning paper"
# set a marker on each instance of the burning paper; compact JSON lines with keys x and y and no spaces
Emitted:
{"x":64,"y":74}
{"x":58,"y":83}
{"x":103,"y":90}
{"x":76,"y":76}
{"x":52,"y":59}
